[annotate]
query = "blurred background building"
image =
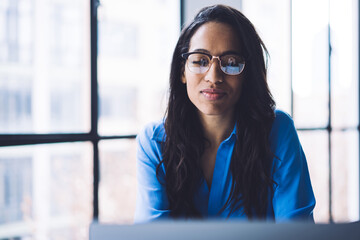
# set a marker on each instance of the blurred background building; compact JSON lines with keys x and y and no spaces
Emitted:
{"x":85,"y":167}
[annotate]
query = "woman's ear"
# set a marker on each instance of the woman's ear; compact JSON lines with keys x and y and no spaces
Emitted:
{"x":183,"y":79}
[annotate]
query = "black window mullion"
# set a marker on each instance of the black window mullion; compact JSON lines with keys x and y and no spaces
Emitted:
{"x":26,"y":139}
{"x":182,"y":14}
{"x":94,"y":105}
{"x":329,"y":127}
{"x":359,"y":94}
{"x":7,"y":140}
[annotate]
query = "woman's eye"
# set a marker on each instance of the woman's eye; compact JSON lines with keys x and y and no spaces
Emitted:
{"x":201,"y":62}
{"x":232,"y":62}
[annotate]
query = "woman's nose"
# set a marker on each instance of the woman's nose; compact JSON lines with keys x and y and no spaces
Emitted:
{"x":214,"y":74}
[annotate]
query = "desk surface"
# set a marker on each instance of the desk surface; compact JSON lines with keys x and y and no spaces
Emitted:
{"x":225,"y":230}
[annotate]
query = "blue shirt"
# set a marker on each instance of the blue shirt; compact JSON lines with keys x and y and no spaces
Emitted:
{"x":293,"y":195}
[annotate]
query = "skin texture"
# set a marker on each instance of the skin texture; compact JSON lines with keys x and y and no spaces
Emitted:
{"x":214,"y":93}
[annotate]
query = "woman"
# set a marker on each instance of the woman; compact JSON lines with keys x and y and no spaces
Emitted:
{"x":223,"y":150}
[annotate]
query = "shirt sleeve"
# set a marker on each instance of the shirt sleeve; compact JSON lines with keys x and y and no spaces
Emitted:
{"x":293,"y":194}
{"x":151,"y":200}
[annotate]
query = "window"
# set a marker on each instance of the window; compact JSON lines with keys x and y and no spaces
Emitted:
{"x":76,"y":85}
{"x":313,"y":74}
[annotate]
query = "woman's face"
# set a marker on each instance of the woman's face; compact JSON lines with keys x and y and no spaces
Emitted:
{"x":214,"y":92}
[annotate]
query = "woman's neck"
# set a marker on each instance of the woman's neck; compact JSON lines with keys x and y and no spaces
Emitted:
{"x":217,"y":128}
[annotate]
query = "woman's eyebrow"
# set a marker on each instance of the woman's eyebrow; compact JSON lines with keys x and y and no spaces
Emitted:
{"x":222,"y":54}
{"x":230,"y":52}
{"x":201,"y":50}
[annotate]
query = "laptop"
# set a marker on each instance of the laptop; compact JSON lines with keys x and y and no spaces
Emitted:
{"x":224,"y":230}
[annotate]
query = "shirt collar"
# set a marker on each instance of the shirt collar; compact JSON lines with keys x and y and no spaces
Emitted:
{"x":232,"y":135}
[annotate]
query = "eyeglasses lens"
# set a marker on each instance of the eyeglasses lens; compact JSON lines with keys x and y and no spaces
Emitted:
{"x":198,"y":63}
{"x":232,"y":64}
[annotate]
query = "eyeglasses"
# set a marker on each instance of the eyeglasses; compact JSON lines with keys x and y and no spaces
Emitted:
{"x":199,"y":62}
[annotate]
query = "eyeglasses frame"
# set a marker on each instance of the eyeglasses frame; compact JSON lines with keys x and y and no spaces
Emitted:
{"x":186,"y":56}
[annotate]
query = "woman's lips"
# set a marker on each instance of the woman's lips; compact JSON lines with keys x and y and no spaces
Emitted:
{"x":213,"y":94}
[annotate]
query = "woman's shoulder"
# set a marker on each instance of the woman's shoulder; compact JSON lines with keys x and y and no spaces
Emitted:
{"x":284,"y":140}
{"x":282,"y":117}
{"x":282,"y":122}
{"x":149,"y":141}
{"x":283,"y":127}
{"x":152,"y":131}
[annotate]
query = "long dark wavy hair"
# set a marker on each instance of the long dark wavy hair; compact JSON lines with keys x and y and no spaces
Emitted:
{"x":184,"y":143}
